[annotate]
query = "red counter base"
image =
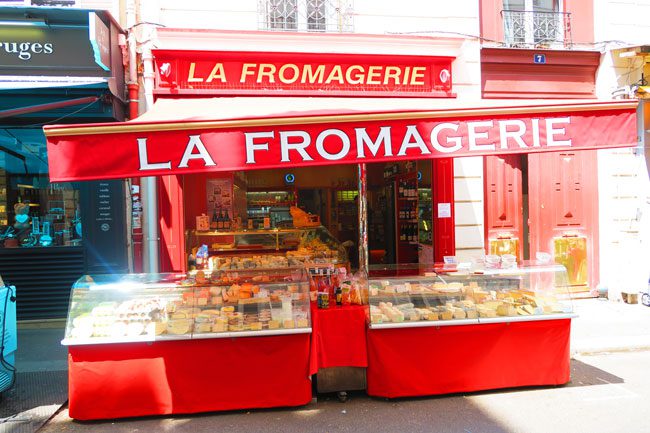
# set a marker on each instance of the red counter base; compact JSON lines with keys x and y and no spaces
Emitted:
{"x":338,"y":337}
{"x":440,"y":360}
{"x":126,"y":380}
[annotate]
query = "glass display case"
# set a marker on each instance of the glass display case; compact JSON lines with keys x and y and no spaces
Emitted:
{"x":201,"y":304}
{"x":274,"y":248}
{"x":415,"y":295}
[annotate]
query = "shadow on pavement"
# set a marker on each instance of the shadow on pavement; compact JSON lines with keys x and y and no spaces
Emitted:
{"x":359,"y":414}
{"x":33,"y":399}
{"x":587,"y":375}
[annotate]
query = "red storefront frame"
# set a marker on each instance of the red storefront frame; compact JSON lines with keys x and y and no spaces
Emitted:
{"x":119,"y":153}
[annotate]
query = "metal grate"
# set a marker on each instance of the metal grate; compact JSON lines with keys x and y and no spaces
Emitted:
{"x":43,"y":278}
{"x":306,"y":15}
{"x":534,"y":29}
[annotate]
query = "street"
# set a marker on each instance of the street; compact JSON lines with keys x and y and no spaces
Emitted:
{"x":609,"y":393}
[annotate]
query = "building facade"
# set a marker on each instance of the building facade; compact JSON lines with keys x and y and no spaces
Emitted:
{"x":59,"y":65}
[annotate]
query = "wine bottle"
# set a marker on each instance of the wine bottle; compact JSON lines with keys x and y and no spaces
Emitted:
{"x":226,"y":221}
{"x":220,"y":221}
{"x":213,"y":222}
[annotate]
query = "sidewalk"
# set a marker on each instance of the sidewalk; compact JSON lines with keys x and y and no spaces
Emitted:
{"x":41,"y":388}
{"x":609,"y":326}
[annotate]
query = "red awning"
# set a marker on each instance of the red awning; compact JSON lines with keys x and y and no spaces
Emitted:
{"x":183,"y":136}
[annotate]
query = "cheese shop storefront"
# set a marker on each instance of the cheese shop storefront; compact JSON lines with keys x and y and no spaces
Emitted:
{"x":292,"y":231}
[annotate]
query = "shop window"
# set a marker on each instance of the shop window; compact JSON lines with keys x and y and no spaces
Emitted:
{"x":33,"y":211}
{"x":535,"y":24}
{"x":306,"y":15}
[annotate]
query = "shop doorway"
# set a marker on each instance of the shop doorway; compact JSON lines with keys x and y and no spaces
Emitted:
{"x":400,"y":213}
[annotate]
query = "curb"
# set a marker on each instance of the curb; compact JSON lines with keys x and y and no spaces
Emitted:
{"x":609,"y":349}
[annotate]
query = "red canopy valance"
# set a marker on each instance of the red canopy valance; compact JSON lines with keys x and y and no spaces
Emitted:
{"x":227,"y":134}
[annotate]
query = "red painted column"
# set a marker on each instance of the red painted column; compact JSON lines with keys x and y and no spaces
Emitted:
{"x":442,"y":188}
{"x":172,"y":224}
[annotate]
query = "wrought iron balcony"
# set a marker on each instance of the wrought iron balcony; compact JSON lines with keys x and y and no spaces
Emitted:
{"x":306,"y":15}
{"x":535,"y":29}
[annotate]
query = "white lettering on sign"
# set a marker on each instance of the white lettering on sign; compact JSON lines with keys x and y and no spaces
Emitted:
{"x":373,"y":146}
{"x":413,"y":139}
{"x":144,"y":160}
{"x":515,"y":135}
{"x":196,"y":143}
{"x":551,"y":131}
{"x":24,"y":50}
{"x":300,"y":146}
{"x":333,"y":144}
{"x":251,"y":146}
{"x":473,"y":135}
{"x":320,"y":144}
{"x":435,"y":139}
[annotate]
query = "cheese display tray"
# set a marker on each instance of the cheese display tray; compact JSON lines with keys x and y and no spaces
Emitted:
{"x":414,"y":296}
{"x":108,"y":309}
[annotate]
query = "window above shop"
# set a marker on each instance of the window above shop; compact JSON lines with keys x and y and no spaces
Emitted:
{"x":536,"y":24}
{"x":306,"y":15}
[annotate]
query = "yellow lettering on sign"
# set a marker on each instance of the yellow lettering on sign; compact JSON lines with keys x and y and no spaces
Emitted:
{"x":417,"y":78}
{"x":407,"y":73}
{"x":354,"y":78}
{"x":266,"y":70}
{"x":392,"y":72}
{"x":311,"y":77}
{"x":218,"y":73}
{"x":374,"y":72}
{"x":336,"y":74}
{"x":246,"y":70}
{"x":190,"y":75}
{"x":296,"y":73}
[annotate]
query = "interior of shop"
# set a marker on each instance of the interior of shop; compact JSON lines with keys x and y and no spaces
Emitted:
{"x":239,"y":213}
{"x":33,"y":212}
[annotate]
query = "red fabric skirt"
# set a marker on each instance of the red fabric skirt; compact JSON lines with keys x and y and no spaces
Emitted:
{"x":447,"y":359}
{"x":136,"y":379}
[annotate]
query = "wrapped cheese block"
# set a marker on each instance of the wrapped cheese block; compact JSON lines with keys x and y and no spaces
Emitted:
{"x":202,"y":327}
{"x":159,"y":327}
{"x":506,"y":310}
{"x":486,"y":312}
{"x":274,"y":324}
{"x":178,"y":326}
{"x":459,"y":313}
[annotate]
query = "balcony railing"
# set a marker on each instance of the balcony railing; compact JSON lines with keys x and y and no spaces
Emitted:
{"x":534,"y":29}
{"x":306,"y":15}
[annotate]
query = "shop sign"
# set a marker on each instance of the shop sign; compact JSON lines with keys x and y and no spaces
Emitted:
{"x":161,"y":149}
{"x":263,"y":73}
{"x":36,"y":48}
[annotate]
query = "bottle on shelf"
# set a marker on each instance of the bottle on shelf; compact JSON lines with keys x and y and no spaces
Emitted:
{"x":220,"y":221}
{"x":213,"y":221}
{"x":227,"y":224}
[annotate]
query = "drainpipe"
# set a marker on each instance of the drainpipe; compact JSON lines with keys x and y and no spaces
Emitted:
{"x":149,"y":184}
{"x":134,"y":205}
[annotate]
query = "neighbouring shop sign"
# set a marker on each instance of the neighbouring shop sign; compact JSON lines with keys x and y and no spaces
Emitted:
{"x":33,"y":47}
{"x":245,"y":73}
{"x":162,"y":148}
